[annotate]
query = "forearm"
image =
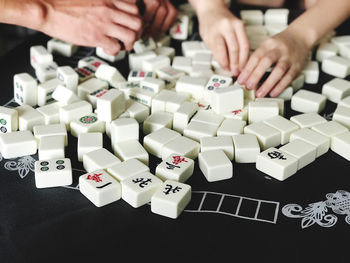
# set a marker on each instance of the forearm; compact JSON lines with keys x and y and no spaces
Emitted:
{"x":319,"y":20}
{"x":201,"y":5}
{"x":29,"y":13}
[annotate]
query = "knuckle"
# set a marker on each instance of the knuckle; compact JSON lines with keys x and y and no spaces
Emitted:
{"x":138,"y":23}
{"x":282,"y":66}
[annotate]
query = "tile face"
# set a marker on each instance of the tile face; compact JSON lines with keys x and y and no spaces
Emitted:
{"x":171,"y":199}
{"x":28,"y":117}
{"x":45,"y":91}
{"x":110,"y":105}
{"x":193,"y":85}
{"x":124,"y":129}
{"x":246,"y":148}
{"x":87,"y":123}
{"x":215,"y":82}
{"x":227,"y":99}
{"x":341,"y":145}
{"x":64,"y":95}
{"x":138,"y":190}
{"x":69,"y":77}
{"x":128,"y":168}
{"x":41,"y":131}
{"x":308,"y":120}
{"x":52,"y":173}
{"x":99,"y":159}
{"x":176,"y":167}
{"x":277,"y":164}
{"x":183,"y":146}
{"x":215,"y":165}
{"x":224,"y":143}
{"x":8,"y":120}
{"x":17,"y":144}
{"x":208,"y":117}
{"x":50,"y":113}
{"x":74,"y":111}
{"x":155,"y":141}
{"x":320,"y":141}
{"x":183,"y":115}
{"x":308,"y":101}
{"x":88,"y":142}
{"x":100,"y":187}
{"x":266,"y":135}
{"x":303,"y":151}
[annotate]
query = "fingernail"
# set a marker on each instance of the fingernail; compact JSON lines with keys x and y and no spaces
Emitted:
{"x":235,"y":72}
{"x":258,"y":93}
{"x":241,"y":79}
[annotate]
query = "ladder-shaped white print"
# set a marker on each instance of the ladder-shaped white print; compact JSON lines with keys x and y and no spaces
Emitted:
{"x":234,"y":205}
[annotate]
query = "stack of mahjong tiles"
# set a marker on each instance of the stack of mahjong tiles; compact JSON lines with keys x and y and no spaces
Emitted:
{"x":187,"y":108}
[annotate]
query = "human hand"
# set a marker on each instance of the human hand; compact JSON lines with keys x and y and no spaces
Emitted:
{"x":287,"y":52}
{"x":95,"y":23}
{"x":225,"y":35}
{"x":158,"y":17}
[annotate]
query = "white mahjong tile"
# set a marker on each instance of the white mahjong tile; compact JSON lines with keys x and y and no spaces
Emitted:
{"x":276,"y":16}
{"x":143,"y":45}
{"x":193,"y":85}
{"x":88,"y":142}
{"x":25,"y":89}
{"x":180,"y":28}
{"x":100,"y":187}
{"x":208,"y":117}
{"x":303,"y":151}
{"x":336,"y":89}
{"x":176,"y":167}
{"x":69,"y":77}
{"x":156,"y":121}
{"x":110,"y":58}
{"x":128,"y":168}
{"x":89,"y":86}
{"x":191,"y":48}
{"x":175,"y":102}
{"x":266,"y":135}
{"x":183,"y":146}
{"x":74,"y":111}
{"x":153,"y":64}
{"x":316,"y":139}
{"x":261,"y":110}
{"x":138,"y":189}
{"x":215,"y":82}
{"x":342,"y":115}
{"x":224,"y":143}
{"x":137,"y":110}
{"x":311,"y":72}
{"x":183,"y":115}
{"x":51,"y":147}
{"x":45,"y":91}
{"x":142,"y":96}
{"x":345,"y":102}
{"x":39,"y":55}
{"x":138,"y":75}
{"x":171,"y":199}
{"x":307,"y":120}
{"x":279,"y":101}
{"x":326,"y":50}
{"x":152,"y":84}
{"x":287,"y":94}
{"x":169,"y":73}
{"x":252,"y":17}
{"x":336,"y":66}
{"x":135,"y":59}
{"x":87,"y":123}
{"x":277,"y":164}
{"x":99,"y":159}
{"x":8,"y":120}
{"x":197,"y":130}
{"x":46,"y":72}
{"x":84,"y":73}
{"x":230,"y":127}
{"x":227,"y":99}
{"x":124,"y":129}
{"x":28,"y":117}
{"x":131,"y":149}
{"x":91,"y":62}
{"x":110,"y":74}
{"x":41,"y":131}
{"x":53,"y":173}
{"x":285,"y":126}
{"x":341,"y":145}
{"x":155,"y":141}
{"x":57,"y":46}
{"x":237,"y":114}
{"x":110,"y":105}
{"x":183,"y":64}
{"x":215,"y":165}
{"x":64,"y":95}
{"x":17,"y":144}
{"x":330,"y":128}
{"x":298,"y":82}
{"x":165,"y":51}
{"x":246,"y":148}
{"x":308,"y":101}
{"x":50,"y":113}
{"x":159,"y":100}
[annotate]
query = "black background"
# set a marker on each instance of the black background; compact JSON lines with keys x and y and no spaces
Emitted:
{"x":61,"y":225}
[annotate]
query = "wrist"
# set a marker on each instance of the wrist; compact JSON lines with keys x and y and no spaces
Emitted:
{"x":30,"y":14}
{"x":307,"y":35}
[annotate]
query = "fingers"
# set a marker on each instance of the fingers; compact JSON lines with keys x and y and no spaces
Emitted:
{"x":158,"y":19}
{"x":125,"y":35}
{"x":218,"y":46}
{"x":110,"y":46}
{"x":275,"y":76}
{"x":151,"y":7}
{"x":127,"y":6}
{"x":132,"y":22}
{"x":284,"y":82}
{"x":233,"y":51}
{"x":243,"y":44}
{"x":249,"y":67}
{"x":170,"y":17}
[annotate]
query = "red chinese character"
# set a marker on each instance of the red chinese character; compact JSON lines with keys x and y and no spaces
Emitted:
{"x":95,"y":177}
{"x":235,"y":112}
{"x":142,"y":74}
{"x":177,"y":159}
{"x":96,"y":64}
{"x":101,"y":93}
{"x":178,"y":29}
{"x":200,"y":105}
